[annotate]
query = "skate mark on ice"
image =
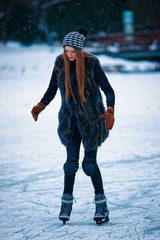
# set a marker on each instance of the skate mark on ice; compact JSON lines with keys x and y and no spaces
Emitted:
{"x":38,"y":203}
{"x":137,"y":233}
{"x":135,"y":159}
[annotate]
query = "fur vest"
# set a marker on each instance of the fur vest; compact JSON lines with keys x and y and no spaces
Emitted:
{"x":86,"y":118}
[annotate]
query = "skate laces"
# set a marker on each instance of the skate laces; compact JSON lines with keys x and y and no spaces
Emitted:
{"x":74,"y":200}
{"x":66,"y":208}
{"x":67,"y":205}
{"x":99,"y":208}
{"x":100,"y":203}
{"x":68,"y":202}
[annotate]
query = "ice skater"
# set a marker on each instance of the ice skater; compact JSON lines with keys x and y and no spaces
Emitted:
{"x":82,"y":117}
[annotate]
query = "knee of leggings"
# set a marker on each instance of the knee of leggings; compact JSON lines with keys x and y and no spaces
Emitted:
{"x":88,"y":168}
{"x":70,"y":168}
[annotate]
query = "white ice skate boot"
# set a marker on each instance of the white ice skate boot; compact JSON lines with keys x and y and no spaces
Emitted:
{"x":66,"y":207}
{"x":102,"y":213}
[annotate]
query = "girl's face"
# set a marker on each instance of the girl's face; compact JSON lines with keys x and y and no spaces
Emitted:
{"x":70,"y":52}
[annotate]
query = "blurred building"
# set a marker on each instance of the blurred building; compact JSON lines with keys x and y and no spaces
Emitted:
{"x":147,"y":14}
{"x":140,"y":36}
{"x":30,"y":21}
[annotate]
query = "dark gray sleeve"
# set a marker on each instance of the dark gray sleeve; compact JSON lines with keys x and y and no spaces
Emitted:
{"x":52,"y":89}
{"x":104,"y":84}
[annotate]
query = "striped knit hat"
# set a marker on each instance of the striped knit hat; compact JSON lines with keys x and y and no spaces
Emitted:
{"x":75,"y":39}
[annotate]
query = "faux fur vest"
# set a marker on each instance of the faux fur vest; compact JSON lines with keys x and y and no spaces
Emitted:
{"x":90,"y":126}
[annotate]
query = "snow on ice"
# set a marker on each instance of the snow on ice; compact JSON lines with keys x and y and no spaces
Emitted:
{"x":32,"y":157}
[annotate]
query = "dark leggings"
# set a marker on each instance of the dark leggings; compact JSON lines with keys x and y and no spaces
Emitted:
{"x":73,"y":158}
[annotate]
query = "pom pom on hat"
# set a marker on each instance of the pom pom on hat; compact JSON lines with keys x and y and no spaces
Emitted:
{"x":76,"y":38}
{"x":83,"y":31}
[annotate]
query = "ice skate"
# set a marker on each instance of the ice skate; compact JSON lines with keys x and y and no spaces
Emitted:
{"x":66,"y":207}
{"x":102,"y":213}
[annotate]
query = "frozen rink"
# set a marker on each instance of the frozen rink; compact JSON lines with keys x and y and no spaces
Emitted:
{"x":32,"y":157}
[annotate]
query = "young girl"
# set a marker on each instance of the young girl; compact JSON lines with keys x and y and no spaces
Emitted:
{"x":82,"y":117}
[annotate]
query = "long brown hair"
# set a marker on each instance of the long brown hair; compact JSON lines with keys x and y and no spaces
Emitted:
{"x":80,"y":72}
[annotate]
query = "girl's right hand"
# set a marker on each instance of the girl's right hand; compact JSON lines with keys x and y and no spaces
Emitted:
{"x":37,"y":109}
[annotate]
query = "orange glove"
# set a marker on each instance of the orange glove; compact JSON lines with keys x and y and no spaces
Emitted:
{"x":109,"y":116}
{"x":37,"y":109}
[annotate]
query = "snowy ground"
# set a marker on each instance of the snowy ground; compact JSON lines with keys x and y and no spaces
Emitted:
{"x":32,"y":157}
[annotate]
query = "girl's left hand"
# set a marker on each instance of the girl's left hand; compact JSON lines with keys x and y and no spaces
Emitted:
{"x":109,"y":117}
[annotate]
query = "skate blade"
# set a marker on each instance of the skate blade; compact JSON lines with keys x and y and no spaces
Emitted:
{"x":64,"y":222}
{"x":64,"y":219}
{"x":100,"y":220}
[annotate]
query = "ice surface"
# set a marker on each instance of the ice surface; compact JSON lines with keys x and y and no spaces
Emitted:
{"x":32,"y":157}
